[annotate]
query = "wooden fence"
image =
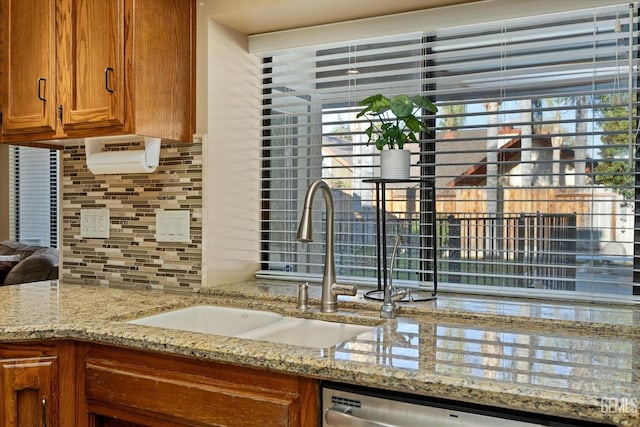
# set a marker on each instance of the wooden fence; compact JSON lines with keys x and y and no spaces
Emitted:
{"x":515,"y":200}
{"x":525,"y":250}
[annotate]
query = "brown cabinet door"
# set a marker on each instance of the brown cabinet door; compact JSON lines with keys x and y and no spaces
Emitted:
{"x":163,"y":68}
{"x":128,"y":388}
{"x":91,"y":56}
{"x":28,"y":86}
{"x":27,"y":392}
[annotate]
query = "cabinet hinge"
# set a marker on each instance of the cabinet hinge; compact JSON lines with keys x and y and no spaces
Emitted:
{"x":60,"y":112}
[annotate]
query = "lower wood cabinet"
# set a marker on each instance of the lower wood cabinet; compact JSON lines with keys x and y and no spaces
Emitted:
{"x":130,"y":388}
{"x":32,"y":394}
{"x":28,"y":396}
{"x":69,"y":384}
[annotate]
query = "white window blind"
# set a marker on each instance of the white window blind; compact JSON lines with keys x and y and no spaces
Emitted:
{"x":311,"y":132}
{"x":534,"y":157}
{"x":33,"y":176}
{"x":532,"y":154}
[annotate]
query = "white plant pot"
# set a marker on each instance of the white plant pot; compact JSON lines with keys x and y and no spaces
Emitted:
{"x":395,"y":164}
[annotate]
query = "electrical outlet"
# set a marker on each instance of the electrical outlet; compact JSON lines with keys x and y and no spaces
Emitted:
{"x":172,"y":226}
{"x":94,"y":223}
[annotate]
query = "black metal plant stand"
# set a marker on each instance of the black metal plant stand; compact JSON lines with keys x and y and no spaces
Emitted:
{"x":381,"y":240}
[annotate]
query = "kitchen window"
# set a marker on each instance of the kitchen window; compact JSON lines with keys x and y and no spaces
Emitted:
{"x":532,"y":152}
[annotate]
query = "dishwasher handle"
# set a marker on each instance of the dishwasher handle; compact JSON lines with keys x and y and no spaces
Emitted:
{"x":334,"y":417}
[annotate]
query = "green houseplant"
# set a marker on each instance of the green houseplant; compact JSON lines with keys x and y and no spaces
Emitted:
{"x":392,"y":124}
{"x":393,"y":121}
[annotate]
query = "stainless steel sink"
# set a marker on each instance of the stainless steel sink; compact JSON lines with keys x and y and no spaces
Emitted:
{"x":255,"y":324}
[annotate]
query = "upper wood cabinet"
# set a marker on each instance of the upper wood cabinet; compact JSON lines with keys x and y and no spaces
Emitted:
{"x":91,"y":90}
{"x":85,"y":68}
{"x":163,"y":69}
{"x":28,"y":86}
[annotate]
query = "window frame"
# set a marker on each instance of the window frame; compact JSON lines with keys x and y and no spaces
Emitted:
{"x":427,"y":158}
{"x":22,"y":164}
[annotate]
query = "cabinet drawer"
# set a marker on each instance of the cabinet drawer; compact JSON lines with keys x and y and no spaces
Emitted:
{"x":185,"y":397}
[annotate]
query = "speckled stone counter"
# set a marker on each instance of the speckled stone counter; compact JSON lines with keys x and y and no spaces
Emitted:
{"x":579,"y":362}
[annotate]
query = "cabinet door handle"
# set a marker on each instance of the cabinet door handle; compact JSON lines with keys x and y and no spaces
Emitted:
{"x":44,"y":411}
{"x":106,"y":79}
{"x":39,"y":88}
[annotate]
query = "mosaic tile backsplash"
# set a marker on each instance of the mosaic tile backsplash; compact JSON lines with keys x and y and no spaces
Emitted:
{"x":131,"y":256}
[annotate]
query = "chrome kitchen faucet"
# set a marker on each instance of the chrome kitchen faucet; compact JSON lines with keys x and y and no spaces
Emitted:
{"x":330,"y":289}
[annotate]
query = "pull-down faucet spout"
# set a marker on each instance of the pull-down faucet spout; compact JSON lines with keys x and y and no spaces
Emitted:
{"x":330,"y":289}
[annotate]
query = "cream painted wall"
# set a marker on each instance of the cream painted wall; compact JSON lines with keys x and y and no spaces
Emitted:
{"x":4,"y":192}
{"x":229,"y":119}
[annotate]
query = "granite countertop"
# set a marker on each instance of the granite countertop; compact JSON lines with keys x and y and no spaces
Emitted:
{"x":577,"y":361}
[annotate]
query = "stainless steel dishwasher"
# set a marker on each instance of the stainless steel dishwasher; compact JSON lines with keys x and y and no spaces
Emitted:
{"x":347,"y":406}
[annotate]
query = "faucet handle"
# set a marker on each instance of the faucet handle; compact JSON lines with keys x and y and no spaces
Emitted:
{"x":337,"y":289}
{"x":303,"y":296}
{"x":400,"y":294}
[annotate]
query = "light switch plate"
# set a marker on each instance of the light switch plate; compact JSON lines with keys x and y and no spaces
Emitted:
{"x":94,"y":223}
{"x":173,"y":226}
